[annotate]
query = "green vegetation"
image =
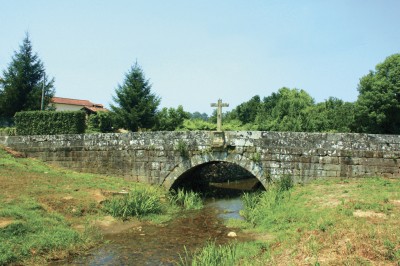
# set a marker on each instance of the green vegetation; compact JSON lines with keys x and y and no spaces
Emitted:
{"x":169,"y":119}
{"x":211,"y":255}
{"x":187,"y":200}
{"x":48,"y":213}
{"x":182,"y":148}
{"x":138,"y":202}
{"x":8,"y":131}
{"x":35,"y":232}
{"x":22,"y":83}
{"x":288,"y":109}
{"x":332,"y":221}
{"x":49,"y":123}
{"x":136,"y":105}
{"x":378,"y":103}
{"x":101,"y":122}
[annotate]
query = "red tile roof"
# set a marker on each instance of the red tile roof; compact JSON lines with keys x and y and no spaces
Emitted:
{"x":94,"y":107}
{"x":71,"y":101}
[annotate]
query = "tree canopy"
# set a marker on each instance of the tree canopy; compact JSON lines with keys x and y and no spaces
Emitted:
{"x":22,"y":82}
{"x":378,"y":103}
{"x":136,"y":105}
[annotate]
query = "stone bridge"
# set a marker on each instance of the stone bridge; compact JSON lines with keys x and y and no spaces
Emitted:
{"x":163,"y":157}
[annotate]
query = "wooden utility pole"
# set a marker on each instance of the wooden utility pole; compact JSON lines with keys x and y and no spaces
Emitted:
{"x":219,"y":106}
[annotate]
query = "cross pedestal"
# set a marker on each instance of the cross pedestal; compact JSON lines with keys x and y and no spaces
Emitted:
{"x":219,"y":106}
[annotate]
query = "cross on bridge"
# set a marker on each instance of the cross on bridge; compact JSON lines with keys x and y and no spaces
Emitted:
{"x":219,"y":106}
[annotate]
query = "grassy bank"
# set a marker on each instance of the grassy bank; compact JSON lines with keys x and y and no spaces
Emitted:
{"x":48,"y":213}
{"x":326,"y":222}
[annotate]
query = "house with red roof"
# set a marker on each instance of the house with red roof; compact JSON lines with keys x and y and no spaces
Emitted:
{"x":67,"y":104}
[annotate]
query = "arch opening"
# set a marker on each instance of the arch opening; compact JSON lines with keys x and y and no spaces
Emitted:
{"x":218,"y":179}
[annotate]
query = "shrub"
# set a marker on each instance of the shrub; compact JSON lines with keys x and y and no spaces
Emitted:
{"x":101,"y":122}
{"x":8,"y":131}
{"x":49,"y":123}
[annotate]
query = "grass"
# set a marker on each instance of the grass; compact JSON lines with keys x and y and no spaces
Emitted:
{"x":187,"y":200}
{"x":325,"y":222}
{"x":211,"y":255}
{"x":48,"y":213}
{"x":139,"y":202}
{"x":45,"y":213}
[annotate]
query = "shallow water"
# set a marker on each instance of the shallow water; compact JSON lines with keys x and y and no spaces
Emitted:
{"x":161,"y":244}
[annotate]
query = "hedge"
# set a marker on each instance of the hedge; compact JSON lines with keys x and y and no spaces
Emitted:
{"x":49,"y":122}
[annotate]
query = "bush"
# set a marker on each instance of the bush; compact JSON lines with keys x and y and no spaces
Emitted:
{"x":8,"y":131}
{"x":101,"y":122}
{"x":49,"y":123}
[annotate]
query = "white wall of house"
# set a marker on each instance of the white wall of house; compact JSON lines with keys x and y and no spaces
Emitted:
{"x":67,"y":107}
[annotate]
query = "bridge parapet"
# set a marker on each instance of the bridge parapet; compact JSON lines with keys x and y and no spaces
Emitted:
{"x":161,"y":157}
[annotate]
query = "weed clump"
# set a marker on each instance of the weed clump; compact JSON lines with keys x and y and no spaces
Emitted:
{"x":212,"y":255}
{"x":188,"y":200}
{"x":138,"y":203}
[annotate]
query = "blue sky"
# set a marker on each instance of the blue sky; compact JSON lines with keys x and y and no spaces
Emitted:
{"x":195,"y":52}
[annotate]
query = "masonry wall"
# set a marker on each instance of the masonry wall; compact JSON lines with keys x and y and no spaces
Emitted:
{"x":152,"y":156}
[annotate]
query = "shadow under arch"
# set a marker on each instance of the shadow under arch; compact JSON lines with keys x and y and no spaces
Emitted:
{"x":190,"y":165}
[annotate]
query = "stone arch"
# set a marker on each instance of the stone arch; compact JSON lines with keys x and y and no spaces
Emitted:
{"x":197,"y":160}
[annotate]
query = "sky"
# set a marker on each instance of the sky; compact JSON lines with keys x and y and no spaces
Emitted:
{"x":196,"y":52}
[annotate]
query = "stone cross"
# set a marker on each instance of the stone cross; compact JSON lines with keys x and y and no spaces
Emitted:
{"x":219,"y":106}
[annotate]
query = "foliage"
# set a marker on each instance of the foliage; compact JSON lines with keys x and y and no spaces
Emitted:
{"x":378,"y":103}
{"x":49,"y":123}
{"x":188,"y":200}
{"x":333,"y":115}
{"x":101,"y":122}
{"x":212,"y":255}
{"x":246,"y":112}
{"x":135,"y":105}
{"x":22,"y":82}
{"x":138,"y":203}
{"x":197,"y":124}
{"x":169,"y":119}
{"x":8,"y":131}
{"x":198,"y":115}
{"x":182,"y":148}
{"x":284,"y":111}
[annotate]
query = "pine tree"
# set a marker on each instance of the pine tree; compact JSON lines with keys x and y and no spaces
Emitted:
{"x":136,"y":105}
{"x":22,"y":83}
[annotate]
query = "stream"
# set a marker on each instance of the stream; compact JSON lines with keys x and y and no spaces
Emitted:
{"x":163,"y":244}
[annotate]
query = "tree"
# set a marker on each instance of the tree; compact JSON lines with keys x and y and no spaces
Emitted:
{"x":169,"y":119}
{"x":136,"y":105}
{"x":284,"y":111}
{"x":333,"y":115}
{"x":22,"y":82}
{"x":378,"y":103}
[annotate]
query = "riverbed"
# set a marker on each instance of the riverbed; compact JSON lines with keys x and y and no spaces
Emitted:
{"x":163,"y":244}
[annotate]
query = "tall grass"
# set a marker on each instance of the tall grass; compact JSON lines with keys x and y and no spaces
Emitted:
{"x":259,"y":205}
{"x":138,"y":202}
{"x":211,"y":255}
{"x":188,"y":200}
